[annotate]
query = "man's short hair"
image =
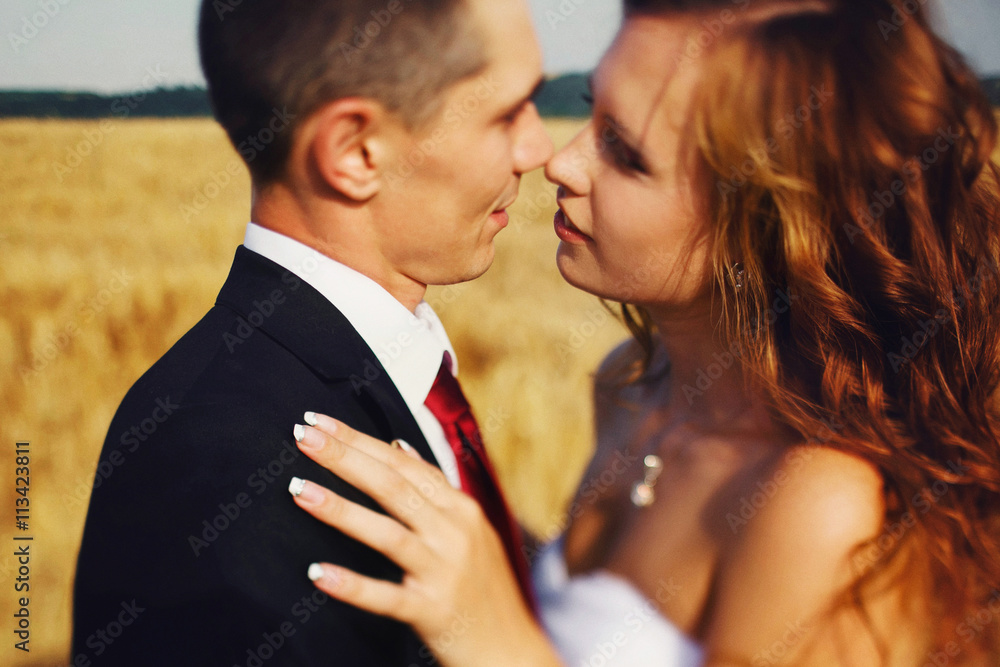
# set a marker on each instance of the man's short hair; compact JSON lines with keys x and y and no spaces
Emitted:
{"x":271,"y":63}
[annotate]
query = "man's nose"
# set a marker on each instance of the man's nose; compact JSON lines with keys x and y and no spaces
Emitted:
{"x":534,"y":147}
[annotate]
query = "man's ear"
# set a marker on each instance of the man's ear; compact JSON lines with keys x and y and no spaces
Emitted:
{"x":346,"y":146}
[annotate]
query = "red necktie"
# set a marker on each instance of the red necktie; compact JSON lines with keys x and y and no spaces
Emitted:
{"x":447,"y":402}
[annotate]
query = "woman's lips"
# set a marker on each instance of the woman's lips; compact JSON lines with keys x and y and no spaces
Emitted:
{"x":566,"y":231}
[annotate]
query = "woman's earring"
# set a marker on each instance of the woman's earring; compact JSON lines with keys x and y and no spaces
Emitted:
{"x":642,"y":492}
{"x":737,"y":274}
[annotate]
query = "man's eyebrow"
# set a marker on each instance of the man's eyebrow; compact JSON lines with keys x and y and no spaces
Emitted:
{"x":530,"y":97}
{"x":536,"y":91}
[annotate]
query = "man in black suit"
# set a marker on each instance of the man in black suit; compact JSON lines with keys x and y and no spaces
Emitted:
{"x":384,"y":140}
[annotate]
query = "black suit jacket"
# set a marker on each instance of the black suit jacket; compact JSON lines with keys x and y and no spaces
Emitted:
{"x":194,"y":552}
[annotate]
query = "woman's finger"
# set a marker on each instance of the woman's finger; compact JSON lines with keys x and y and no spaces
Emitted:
{"x":327,"y":450}
{"x":382,"y":533}
{"x":362,"y":441}
{"x":375,"y":595}
{"x":392,"y":482}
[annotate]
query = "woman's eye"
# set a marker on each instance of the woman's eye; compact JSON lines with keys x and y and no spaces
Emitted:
{"x":627,"y":159}
{"x":588,"y":99}
{"x":623,"y":156}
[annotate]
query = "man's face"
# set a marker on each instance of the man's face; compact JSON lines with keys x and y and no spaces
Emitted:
{"x":445,"y":191}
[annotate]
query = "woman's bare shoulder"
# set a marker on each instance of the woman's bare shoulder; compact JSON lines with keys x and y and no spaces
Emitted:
{"x":793,"y":556}
{"x":625,"y":366}
{"x":620,"y":384}
{"x":618,"y":364}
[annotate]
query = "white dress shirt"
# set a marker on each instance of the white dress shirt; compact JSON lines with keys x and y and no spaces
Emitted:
{"x":409,"y":346}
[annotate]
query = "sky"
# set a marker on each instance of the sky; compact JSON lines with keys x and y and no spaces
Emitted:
{"x":111,"y":46}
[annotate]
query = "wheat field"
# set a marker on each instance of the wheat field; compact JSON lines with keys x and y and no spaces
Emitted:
{"x":116,"y":238}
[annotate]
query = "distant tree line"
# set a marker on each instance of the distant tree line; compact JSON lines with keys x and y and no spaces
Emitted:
{"x":158,"y":103}
{"x":561,"y":97}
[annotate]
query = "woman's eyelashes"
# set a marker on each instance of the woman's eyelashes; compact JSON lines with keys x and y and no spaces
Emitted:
{"x":623,"y":156}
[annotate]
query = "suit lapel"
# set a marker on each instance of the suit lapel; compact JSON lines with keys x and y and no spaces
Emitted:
{"x":273,"y":301}
{"x":399,"y":415}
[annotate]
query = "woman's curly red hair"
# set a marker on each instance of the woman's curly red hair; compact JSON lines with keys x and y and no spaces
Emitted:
{"x":847,"y":155}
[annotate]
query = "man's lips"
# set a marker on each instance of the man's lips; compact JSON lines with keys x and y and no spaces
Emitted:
{"x":567,"y":231}
{"x":500,"y":215}
{"x":504,"y":207}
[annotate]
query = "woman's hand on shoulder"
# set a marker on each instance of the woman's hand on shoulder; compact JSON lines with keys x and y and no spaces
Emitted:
{"x":791,"y":560}
{"x":458,"y":591}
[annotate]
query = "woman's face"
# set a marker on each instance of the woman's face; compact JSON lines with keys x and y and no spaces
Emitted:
{"x":630,"y":221}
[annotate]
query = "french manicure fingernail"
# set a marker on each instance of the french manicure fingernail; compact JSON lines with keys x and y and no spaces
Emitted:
{"x":299,"y":432}
{"x":408,"y":448}
{"x":310,"y":439}
{"x":330,"y":576}
{"x":308,"y":494}
{"x":316,"y":572}
{"x":310,"y":418}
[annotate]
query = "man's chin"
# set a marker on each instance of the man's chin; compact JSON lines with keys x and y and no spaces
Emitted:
{"x":462,"y":274}
{"x":478,"y":270}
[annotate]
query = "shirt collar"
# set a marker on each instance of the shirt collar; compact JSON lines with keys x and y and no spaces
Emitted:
{"x":409,"y":346}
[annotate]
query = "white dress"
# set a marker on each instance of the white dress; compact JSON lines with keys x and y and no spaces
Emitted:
{"x":601,"y":620}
